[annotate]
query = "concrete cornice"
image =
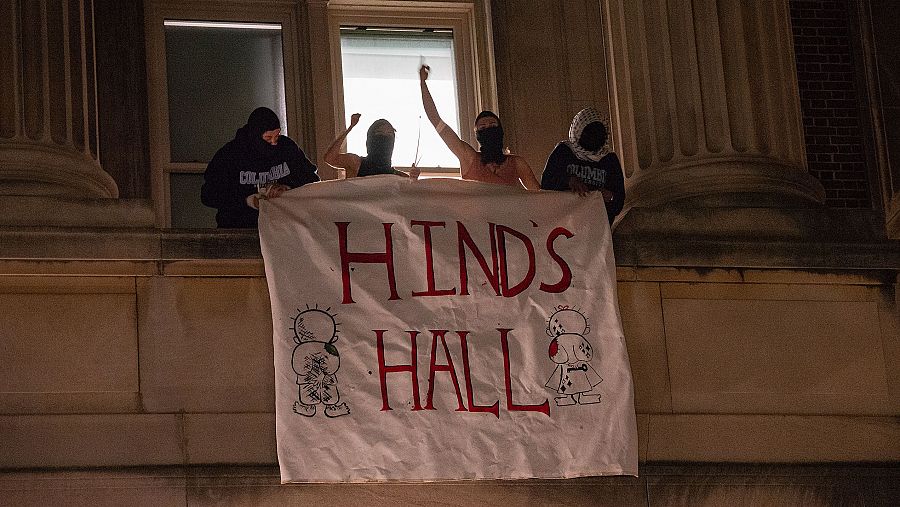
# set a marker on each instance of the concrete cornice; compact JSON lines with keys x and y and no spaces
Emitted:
{"x":638,"y":242}
{"x":71,"y":212}
{"x":813,"y":238}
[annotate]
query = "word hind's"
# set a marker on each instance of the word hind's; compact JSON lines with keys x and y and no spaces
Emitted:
{"x":496,"y":272}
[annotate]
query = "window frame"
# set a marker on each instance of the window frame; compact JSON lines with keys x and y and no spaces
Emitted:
{"x":313,"y":84}
{"x":158,"y":11}
{"x":472,"y":47}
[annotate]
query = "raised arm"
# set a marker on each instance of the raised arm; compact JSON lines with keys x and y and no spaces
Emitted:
{"x":459,"y":147}
{"x":338,"y":160}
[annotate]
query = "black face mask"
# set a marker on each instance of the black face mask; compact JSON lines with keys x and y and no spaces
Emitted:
{"x":593,"y":137}
{"x":261,"y":120}
{"x":491,"y":141}
{"x":262,"y":147}
{"x":380,"y":149}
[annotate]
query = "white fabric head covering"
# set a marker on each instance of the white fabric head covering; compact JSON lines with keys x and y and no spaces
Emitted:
{"x":584,"y":118}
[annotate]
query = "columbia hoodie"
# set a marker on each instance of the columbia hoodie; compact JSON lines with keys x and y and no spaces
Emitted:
{"x":245,"y":164}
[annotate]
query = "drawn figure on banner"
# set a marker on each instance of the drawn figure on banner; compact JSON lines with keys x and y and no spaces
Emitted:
{"x":574,"y":378}
{"x":315,"y":361}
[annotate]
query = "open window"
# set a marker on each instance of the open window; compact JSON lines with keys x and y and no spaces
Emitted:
{"x":377,"y":52}
{"x":208,"y":69}
{"x":381,"y":80}
{"x":211,"y":63}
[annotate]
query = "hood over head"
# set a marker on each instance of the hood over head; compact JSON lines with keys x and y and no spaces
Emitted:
{"x":261,"y":120}
{"x":589,"y":135}
{"x":379,"y":144}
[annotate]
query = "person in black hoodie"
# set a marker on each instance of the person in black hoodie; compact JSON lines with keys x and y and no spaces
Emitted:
{"x":258,"y":163}
{"x":585,"y":163}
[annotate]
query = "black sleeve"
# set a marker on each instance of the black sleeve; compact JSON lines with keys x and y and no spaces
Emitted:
{"x":555,"y":176}
{"x":302,"y":170}
{"x":220,"y":188}
{"x":615,"y":184}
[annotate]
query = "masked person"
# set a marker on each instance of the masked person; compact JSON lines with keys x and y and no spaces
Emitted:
{"x":259,"y":163}
{"x":584,"y":163}
{"x":379,"y":151}
{"x":491,"y":164}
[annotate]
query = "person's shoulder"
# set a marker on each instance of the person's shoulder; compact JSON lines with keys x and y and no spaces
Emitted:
{"x":469,"y":158}
{"x":610,"y":158}
{"x":522,"y":162}
{"x":228,"y":151}
{"x":561,"y":153}
{"x":562,"y":149}
{"x":513,"y":161}
{"x":289,"y":144}
{"x":514,"y":158}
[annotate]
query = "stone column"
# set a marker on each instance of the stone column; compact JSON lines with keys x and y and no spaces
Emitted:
{"x":705,"y":103}
{"x":48,"y":106}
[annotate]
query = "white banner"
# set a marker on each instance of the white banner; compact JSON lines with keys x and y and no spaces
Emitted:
{"x":445,"y":329}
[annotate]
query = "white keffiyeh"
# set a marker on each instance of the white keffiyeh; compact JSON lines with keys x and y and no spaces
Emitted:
{"x":584,"y":118}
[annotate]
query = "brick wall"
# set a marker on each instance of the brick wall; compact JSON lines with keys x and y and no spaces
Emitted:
{"x":828,"y":99}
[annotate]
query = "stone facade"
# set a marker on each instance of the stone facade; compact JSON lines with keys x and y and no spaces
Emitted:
{"x":827,"y":74}
{"x":763,"y":329}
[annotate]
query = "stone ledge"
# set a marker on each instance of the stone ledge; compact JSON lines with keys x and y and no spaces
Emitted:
{"x":752,"y":224}
{"x":773,"y":438}
{"x":640,"y":251}
{"x":117,"y":244}
{"x":697,"y":238}
{"x":60,"y":441}
{"x":817,"y":238}
{"x":697,"y":484}
{"x":213,"y":244}
{"x":78,"y":243}
{"x":54,"y":211}
{"x":91,"y":440}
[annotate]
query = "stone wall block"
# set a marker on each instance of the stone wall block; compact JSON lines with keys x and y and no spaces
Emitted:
{"x":206,"y":345}
{"x":50,"y":352}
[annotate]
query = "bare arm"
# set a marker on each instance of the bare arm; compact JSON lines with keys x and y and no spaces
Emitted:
{"x":338,"y":160}
{"x":526,"y":175}
{"x":459,"y":147}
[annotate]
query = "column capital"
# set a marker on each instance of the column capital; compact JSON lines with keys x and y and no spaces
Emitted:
{"x":49,"y":141}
